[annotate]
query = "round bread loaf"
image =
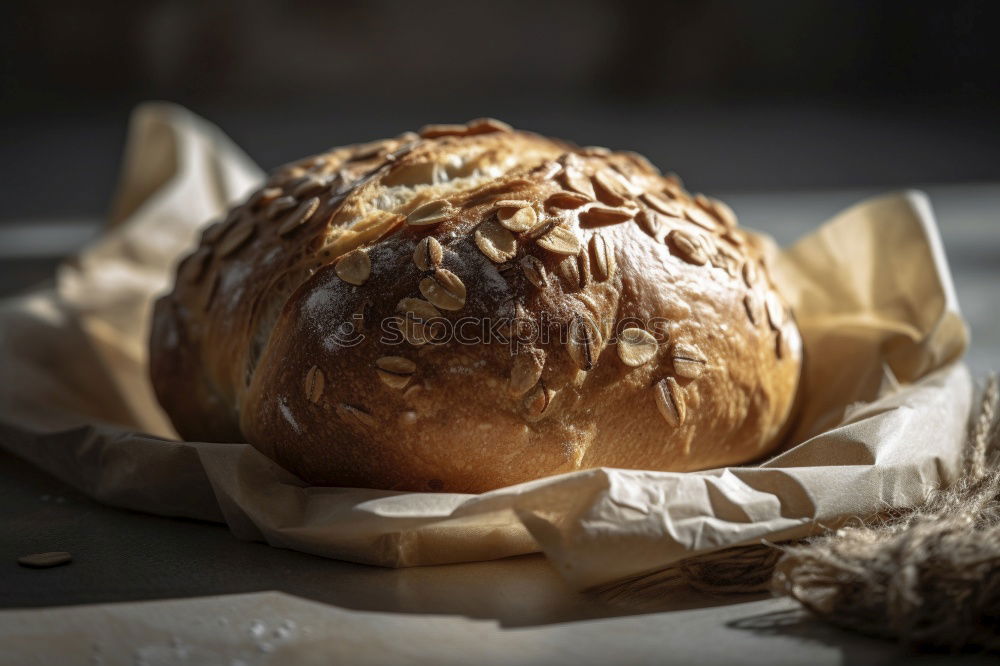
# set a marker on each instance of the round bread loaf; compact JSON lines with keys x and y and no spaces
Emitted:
{"x":472,"y":307}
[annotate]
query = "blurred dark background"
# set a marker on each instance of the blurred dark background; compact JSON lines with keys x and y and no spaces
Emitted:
{"x":760,"y":95}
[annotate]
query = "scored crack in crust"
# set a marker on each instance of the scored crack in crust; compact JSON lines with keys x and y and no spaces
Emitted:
{"x":471,"y":307}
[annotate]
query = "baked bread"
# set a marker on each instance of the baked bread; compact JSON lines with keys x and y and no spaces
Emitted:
{"x":472,"y":307}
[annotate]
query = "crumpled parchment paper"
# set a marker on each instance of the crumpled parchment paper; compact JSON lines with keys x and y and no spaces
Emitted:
{"x":884,"y":402}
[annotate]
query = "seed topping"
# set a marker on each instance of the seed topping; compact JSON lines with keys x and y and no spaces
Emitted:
{"x":511,"y":203}
{"x":527,"y":370}
{"x":496,"y":242}
{"x":487,"y":126}
{"x":775,"y":310}
{"x":432,"y":212}
{"x":599,"y":216}
{"x":354,"y":414}
{"x":688,"y":362}
{"x":428,"y":254}
{"x":518,"y":219}
{"x":538,"y":401}
{"x":584,"y":343}
{"x":751,"y":302}
{"x":722,"y":212}
{"x":265,"y":196}
{"x":688,"y":247}
{"x":313,"y":384}
{"x":602,"y":252}
{"x":416,"y":313}
{"x":279,"y":206}
{"x":670,"y":398}
{"x":560,"y":240}
{"x":420,"y":310}
{"x":355,"y":267}
{"x":636,"y":347}
{"x":662,"y":205}
{"x":701,"y":218}
{"x":444,"y":289}
{"x":749,"y":274}
{"x":576,"y":181}
{"x":568,"y":200}
{"x":648,"y":222}
{"x":608,"y":187}
{"x":569,"y":272}
{"x":299,"y":216}
{"x":237,"y":237}
{"x":534,"y":270}
{"x":395,"y":371}
{"x":442,"y":129}
{"x":308,"y":185}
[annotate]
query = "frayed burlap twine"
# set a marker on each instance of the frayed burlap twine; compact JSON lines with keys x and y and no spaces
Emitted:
{"x":930,"y":576}
{"x":927,"y":576}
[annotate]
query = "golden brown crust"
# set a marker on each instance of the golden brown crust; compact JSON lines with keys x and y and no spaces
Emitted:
{"x":475,"y":307}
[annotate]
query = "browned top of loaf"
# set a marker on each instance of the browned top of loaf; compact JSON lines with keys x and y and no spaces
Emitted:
{"x":476,"y":221}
